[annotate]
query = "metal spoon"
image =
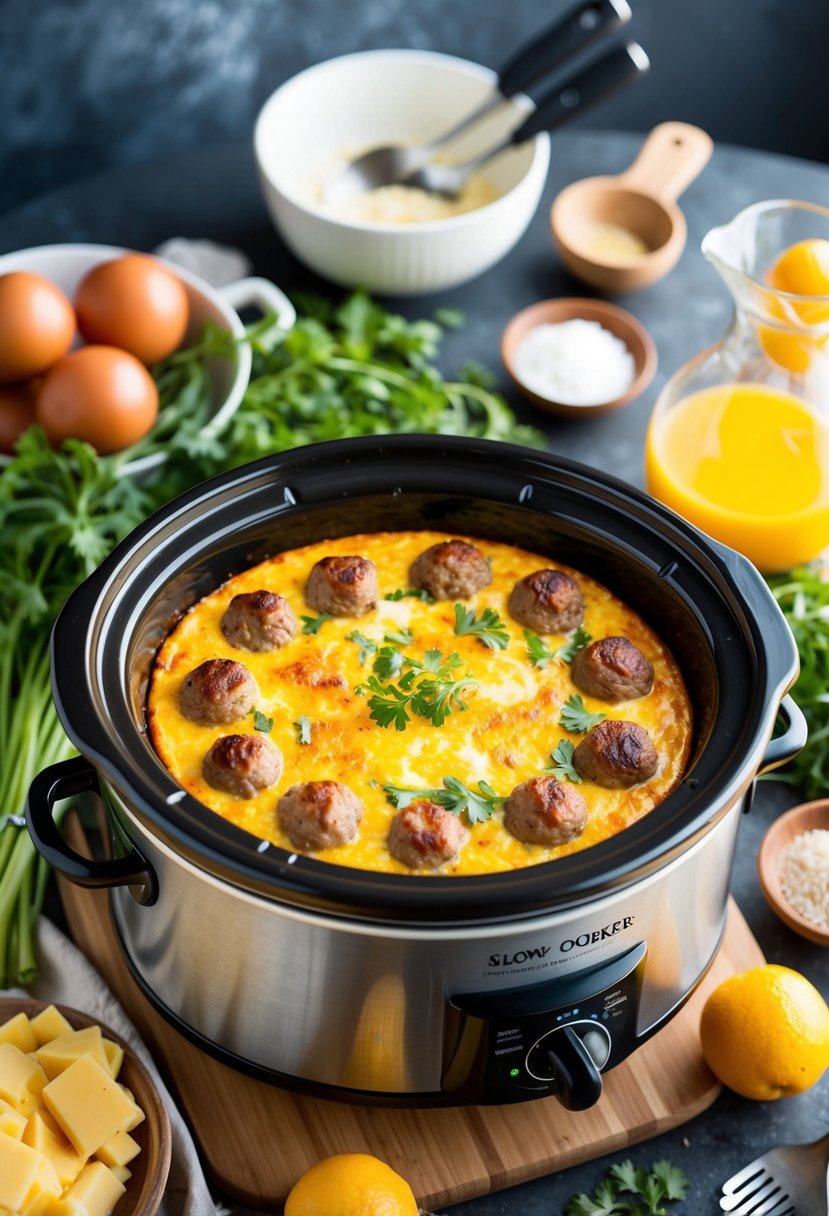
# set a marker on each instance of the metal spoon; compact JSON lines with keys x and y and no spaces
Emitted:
{"x":568,"y":36}
{"x":575,"y":95}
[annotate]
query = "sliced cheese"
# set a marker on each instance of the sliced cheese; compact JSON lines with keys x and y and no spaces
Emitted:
{"x":115,"y":1057}
{"x":89,"y":1105}
{"x":12,"y":1123}
{"x":20,"y":1078}
{"x":96,"y":1191}
{"x":20,"y":1166}
{"x":119,"y":1150}
{"x":18,"y":1030}
{"x":43,"y":1133}
{"x":48,"y":1024}
{"x":58,"y":1054}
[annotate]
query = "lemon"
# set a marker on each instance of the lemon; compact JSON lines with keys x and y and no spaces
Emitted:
{"x":801,"y":270}
{"x":765,"y":1032}
{"x":351,"y":1184}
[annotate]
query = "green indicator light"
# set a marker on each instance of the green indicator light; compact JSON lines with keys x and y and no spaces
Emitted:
{"x":515,"y":1072}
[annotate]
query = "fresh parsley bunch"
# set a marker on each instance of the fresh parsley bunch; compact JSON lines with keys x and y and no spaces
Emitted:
{"x":663,"y":1181}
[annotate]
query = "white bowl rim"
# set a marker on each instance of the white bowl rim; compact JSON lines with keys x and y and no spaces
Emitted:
{"x":538,"y":165}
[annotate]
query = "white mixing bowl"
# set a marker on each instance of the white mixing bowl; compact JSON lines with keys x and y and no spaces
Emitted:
{"x":325,"y":116}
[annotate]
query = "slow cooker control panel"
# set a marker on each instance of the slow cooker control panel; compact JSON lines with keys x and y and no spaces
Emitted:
{"x":550,"y":1038}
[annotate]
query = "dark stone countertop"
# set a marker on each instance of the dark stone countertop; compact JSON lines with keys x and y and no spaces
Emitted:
{"x":213,"y":193}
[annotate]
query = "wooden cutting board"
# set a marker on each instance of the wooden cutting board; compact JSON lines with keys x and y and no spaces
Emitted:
{"x":255,"y":1140}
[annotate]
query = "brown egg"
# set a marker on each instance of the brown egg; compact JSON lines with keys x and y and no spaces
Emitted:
{"x":135,"y":303}
{"x":99,"y":394}
{"x":37,"y":325}
{"x":17,"y":413}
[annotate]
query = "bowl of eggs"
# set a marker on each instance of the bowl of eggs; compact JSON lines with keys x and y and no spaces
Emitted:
{"x":82,"y":327}
{"x":395,"y":239}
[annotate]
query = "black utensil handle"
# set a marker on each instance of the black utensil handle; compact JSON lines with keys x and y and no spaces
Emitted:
{"x":572,"y":33}
{"x":579,"y":93}
{"x":786,"y":746}
{"x":64,"y":780}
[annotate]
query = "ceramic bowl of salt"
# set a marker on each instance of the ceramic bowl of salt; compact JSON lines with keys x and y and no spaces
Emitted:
{"x":576,"y":357}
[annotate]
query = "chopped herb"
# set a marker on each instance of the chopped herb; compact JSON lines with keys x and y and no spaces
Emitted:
{"x":562,"y":766}
{"x":388,"y":664}
{"x":261,"y":722}
{"x":402,"y":637}
{"x":313,"y":624}
{"x":538,"y":652}
{"x":454,"y":796}
{"x":412,"y":593}
{"x":367,"y":647}
{"x":803,"y":596}
{"x":303,"y":729}
{"x":576,"y":717}
{"x":427,"y":689}
{"x":663,"y":1181}
{"x":488,"y":628}
{"x":578,"y":641}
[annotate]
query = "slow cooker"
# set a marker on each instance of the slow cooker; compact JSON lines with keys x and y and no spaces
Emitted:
{"x":413,"y":989}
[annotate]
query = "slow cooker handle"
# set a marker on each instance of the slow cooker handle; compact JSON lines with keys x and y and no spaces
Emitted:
{"x":786,"y":746}
{"x":64,"y":780}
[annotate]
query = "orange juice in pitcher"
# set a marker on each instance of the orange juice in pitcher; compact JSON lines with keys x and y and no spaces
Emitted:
{"x":738,"y":442}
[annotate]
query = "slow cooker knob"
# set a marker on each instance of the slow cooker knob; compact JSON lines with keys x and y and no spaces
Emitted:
{"x":574,"y":1069}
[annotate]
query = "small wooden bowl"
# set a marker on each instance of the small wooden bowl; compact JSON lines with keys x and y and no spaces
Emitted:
{"x":150,"y":1168}
{"x":804,"y":818}
{"x":616,"y":320}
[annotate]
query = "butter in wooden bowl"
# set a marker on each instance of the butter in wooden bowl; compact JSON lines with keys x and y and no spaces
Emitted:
{"x":83,"y":1130}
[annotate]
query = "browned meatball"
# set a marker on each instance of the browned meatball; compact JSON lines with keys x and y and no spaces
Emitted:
{"x":612,"y":669}
{"x":545,"y":811}
{"x":547,"y":601}
{"x":616,"y":755}
{"x":259,"y":620}
{"x":451,"y":570}
{"x":424,"y":836}
{"x":217,"y":692}
{"x":342,"y":586}
{"x":242,"y":765}
{"x":319,"y":815}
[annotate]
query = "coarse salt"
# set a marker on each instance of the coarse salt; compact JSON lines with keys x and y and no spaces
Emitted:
{"x":575,"y":363}
{"x":804,"y":876}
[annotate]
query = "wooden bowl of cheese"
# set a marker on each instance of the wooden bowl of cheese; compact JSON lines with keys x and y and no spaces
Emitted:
{"x":75,"y":1096}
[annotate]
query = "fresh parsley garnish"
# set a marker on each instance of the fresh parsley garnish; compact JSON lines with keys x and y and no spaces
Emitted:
{"x":389,"y":663}
{"x":399,"y":637}
{"x":261,"y":721}
{"x":487,"y":628}
{"x":562,"y":766}
{"x":303,"y":729}
{"x":427,"y":690}
{"x":663,"y":1181}
{"x":538,"y":652}
{"x":578,"y":641}
{"x":411,"y":593}
{"x":313,"y":624}
{"x":367,"y":647}
{"x":576,"y":717}
{"x":454,"y":796}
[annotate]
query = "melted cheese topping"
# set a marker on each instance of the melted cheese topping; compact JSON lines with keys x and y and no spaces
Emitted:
{"x":504,"y":737}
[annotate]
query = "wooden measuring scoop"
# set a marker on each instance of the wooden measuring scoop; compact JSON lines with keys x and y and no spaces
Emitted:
{"x":597,"y":223}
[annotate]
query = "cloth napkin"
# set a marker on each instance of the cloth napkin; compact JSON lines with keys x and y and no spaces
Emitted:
{"x":67,"y":977}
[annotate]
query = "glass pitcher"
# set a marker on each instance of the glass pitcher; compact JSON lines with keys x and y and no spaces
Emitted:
{"x":738,"y":441}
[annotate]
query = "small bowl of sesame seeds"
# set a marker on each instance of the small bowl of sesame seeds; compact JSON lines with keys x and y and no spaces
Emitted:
{"x":793,"y":866}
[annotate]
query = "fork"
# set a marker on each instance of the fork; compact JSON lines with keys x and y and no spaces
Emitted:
{"x":790,"y":1180}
